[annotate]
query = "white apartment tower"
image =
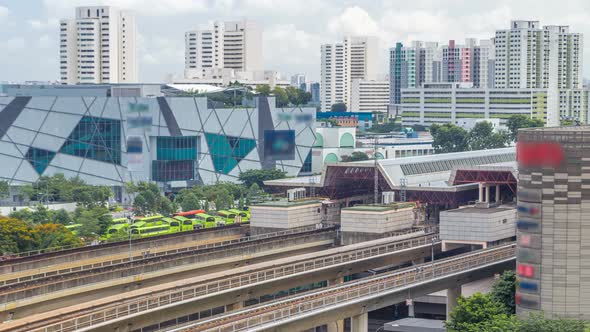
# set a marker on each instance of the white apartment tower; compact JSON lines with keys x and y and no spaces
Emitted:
{"x":230,"y":45}
{"x":98,"y":46}
{"x":354,"y":58}
{"x":528,"y":56}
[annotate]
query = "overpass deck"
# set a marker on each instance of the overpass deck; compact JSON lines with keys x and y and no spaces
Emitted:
{"x":160,"y":265}
{"x":122,"y":309}
{"x":277,"y":315}
{"x":38,"y":261}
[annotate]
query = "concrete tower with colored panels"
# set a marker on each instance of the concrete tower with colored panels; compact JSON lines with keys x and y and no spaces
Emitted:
{"x":553,"y":227}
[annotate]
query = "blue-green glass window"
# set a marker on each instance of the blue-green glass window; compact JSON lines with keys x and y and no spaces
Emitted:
{"x":173,"y":170}
{"x":177,"y":148}
{"x":95,"y":138}
{"x":227,"y":151}
{"x":306,"y":168}
{"x":39,"y":158}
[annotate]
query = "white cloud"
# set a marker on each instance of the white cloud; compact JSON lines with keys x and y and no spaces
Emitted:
{"x":4,"y":12}
{"x":45,"y":41}
{"x":14,"y":44}
{"x":286,"y":45}
{"x":50,"y":23}
{"x":354,"y":21}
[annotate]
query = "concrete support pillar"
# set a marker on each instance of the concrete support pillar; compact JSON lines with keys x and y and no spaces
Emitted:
{"x":337,"y":326}
{"x":452,"y":296}
{"x":411,"y":313}
{"x":487,"y":193}
{"x":234,"y":306}
{"x":497,"y":193}
{"x":418,"y":261}
{"x":481,"y":192}
{"x":359,"y":323}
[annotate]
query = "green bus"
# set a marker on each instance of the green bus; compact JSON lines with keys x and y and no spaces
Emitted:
{"x":189,"y":224}
{"x":138,"y":224}
{"x":154,"y":220}
{"x":117,"y":221}
{"x":227,"y":216}
{"x":244,"y":217}
{"x":175,"y":225}
{"x":150,"y":231}
{"x":116,"y":230}
{"x":74,"y":228}
{"x":209,"y":221}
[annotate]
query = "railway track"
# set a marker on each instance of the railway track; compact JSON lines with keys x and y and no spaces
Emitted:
{"x":76,"y":317}
{"x":273,"y":313}
{"x":33,"y":262}
{"x":153,"y":263}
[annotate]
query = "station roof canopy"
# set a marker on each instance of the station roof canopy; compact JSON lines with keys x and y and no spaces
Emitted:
{"x":421,"y":173}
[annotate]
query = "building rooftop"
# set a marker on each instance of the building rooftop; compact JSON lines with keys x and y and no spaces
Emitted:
{"x":415,"y":325}
{"x":287,"y":203}
{"x":490,"y":210}
{"x":380,"y":208}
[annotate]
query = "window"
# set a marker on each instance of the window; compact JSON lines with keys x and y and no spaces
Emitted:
{"x":39,"y":158}
{"x":177,"y":148}
{"x":227,"y":151}
{"x":95,"y":138}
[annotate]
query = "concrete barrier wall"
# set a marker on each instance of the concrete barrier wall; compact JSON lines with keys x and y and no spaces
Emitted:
{"x":6,"y":210}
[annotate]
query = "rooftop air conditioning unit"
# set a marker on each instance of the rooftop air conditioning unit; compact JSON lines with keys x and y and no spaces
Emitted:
{"x":388,"y":197}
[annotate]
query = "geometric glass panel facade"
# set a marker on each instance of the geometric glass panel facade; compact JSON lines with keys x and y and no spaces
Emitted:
{"x":95,"y":138}
{"x":306,"y":168}
{"x":39,"y":158}
{"x":173,"y":170}
{"x":177,"y":148}
{"x":227,"y":151}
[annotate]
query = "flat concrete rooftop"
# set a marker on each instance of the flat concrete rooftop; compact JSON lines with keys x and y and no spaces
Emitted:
{"x":379,"y":208}
{"x":286,"y":203}
{"x":490,"y":210}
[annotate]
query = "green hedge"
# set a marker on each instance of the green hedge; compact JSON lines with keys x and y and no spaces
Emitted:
{"x":470,"y":100}
{"x":436,"y":115}
{"x":410,"y":100}
{"x":500,"y":115}
{"x":471,"y":115}
{"x":411,"y":114}
{"x":437,"y":100}
{"x":509,"y":101}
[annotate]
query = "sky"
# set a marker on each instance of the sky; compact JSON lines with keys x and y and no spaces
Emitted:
{"x":293,"y":29}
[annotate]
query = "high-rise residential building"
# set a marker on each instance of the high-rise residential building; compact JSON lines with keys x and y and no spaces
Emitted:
{"x":354,"y":58}
{"x":98,"y":46}
{"x":235,"y":45}
{"x":369,"y":96}
{"x":528,"y":56}
{"x":451,"y":62}
{"x":314,"y":89}
{"x":411,"y":66}
{"x":553,"y":228}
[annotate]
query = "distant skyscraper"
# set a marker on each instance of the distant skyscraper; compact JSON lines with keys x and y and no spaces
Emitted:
{"x":298,"y":80}
{"x":98,"y":46}
{"x":528,"y":56}
{"x":354,"y":58}
{"x":230,"y":45}
{"x":314,"y":89}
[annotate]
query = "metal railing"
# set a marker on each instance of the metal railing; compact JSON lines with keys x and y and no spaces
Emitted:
{"x":156,"y":254}
{"x":331,"y":297}
{"x":203,"y":289}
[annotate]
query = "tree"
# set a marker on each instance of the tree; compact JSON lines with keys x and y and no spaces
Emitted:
{"x":90,"y":196}
{"x":297,"y":96}
{"x":4,"y":189}
{"x":338,"y":107}
{"x":281,"y":97}
{"x":516,"y":122}
{"x":263,"y":89}
{"x":41,"y":215}
{"x":539,"y":323}
{"x":482,"y":136}
{"x":149,"y":199}
{"x":254,"y":192}
{"x":258,"y":176}
{"x":188,"y":200}
{"x":448,"y":138}
{"x":472,"y":311}
{"x":224,"y":200}
{"x":54,"y":235}
{"x":355,"y":156}
{"x":241,"y":202}
{"x":16,"y":236}
{"x":61,"y":216}
{"x":503,"y":291}
{"x":89,"y":225}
